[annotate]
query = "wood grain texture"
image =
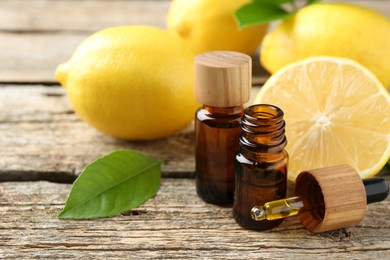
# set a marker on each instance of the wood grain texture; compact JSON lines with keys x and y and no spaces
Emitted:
{"x":34,"y":57}
{"x":36,"y":36}
{"x":342,"y":193}
{"x":222,"y":78}
{"x":92,"y":15}
{"x":86,"y":16}
{"x":174,"y":224}
{"x":42,"y":138}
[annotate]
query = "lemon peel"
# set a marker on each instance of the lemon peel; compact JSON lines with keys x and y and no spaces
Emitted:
{"x":131,"y":82}
{"x":210,"y":25}
{"x":331,"y":29}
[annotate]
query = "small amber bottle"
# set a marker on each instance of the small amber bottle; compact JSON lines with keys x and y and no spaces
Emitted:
{"x":261,"y":164}
{"x":222,"y":85}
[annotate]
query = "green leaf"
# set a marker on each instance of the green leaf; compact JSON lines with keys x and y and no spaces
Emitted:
{"x":309,"y":2}
{"x":273,"y":2}
{"x":115,"y":183}
{"x":265,"y":11}
{"x":259,"y":12}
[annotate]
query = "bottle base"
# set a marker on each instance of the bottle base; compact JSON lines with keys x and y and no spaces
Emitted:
{"x":216,"y":197}
{"x":248,"y":223}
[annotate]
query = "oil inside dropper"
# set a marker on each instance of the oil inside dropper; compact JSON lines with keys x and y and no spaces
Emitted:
{"x":278,"y":209}
{"x":377,"y":189}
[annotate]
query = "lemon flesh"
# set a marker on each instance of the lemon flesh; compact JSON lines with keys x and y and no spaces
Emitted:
{"x":209,"y":25}
{"x":336,"y":112}
{"x":331,"y":29}
{"x":132,"y":82}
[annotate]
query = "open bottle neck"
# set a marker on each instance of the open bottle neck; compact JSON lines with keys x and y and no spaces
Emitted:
{"x":263,"y":130}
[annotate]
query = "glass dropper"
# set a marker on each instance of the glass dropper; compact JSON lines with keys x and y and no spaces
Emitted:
{"x":376,"y":189}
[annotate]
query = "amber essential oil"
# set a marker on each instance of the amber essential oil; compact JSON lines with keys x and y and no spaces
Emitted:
{"x":217,"y":129}
{"x":261,"y":164}
{"x":222,"y":85}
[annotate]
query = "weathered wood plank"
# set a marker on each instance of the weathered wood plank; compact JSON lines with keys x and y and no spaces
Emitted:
{"x":32,"y":44}
{"x":34,"y":57}
{"x":174,"y":224}
{"x":42,"y":138}
{"x":79,"y":16}
{"x":93,"y":15}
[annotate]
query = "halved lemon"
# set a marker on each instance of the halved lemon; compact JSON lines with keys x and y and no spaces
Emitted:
{"x":336,"y":112}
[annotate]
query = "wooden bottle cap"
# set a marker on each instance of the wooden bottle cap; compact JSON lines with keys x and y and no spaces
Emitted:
{"x":342,"y":193}
{"x":223,"y":78}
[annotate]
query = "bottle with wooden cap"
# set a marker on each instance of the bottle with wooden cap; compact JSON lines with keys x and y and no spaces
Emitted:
{"x":326,"y":199}
{"x":261,"y":164}
{"x":222,"y":85}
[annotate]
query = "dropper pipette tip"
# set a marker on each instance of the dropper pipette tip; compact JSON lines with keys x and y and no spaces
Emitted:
{"x":258,"y":213}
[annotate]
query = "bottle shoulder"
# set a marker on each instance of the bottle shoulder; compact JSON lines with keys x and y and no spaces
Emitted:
{"x":253,"y":158}
{"x":219,"y":117}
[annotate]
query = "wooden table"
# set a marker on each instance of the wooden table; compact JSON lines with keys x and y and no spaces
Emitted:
{"x":44,"y":146}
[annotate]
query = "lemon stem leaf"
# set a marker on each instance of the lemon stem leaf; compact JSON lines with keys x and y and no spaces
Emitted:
{"x":309,"y":2}
{"x":265,"y":11}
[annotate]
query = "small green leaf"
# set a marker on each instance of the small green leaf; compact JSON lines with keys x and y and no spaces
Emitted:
{"x":115,"y":183}
{"x":259,"y":12}
{"x":273,"y":2}
{"x":264,"y":11}
{"x":280,"y":2}
{"x":309,"y":2}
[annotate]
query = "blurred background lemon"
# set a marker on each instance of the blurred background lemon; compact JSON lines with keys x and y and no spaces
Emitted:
{"x":209,"y":25}
{"x":131,"y":82}
{"x":332,"y":29}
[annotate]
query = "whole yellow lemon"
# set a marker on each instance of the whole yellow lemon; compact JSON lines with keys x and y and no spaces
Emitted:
{"x":131,"y":82}
{"x":209,"y":25}
{"x":332,"y":29}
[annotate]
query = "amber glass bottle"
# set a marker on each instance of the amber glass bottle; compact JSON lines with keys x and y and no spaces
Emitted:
{"x":222,"y":85}
{"x":261,"y":164}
